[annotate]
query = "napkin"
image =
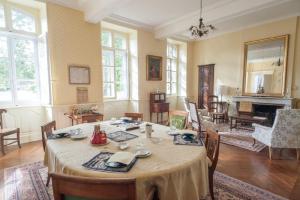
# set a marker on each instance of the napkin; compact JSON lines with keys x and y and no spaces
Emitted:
{"x":122,"y":157}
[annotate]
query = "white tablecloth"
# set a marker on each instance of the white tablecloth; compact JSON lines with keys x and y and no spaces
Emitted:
{"x":179,"y":171}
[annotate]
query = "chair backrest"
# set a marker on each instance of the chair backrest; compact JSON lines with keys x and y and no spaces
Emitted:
{"x":286,"y":129}
{"x":65,"y":187}
{"x":186,"y":104}
{"x":135,"y":116}
{"x":195,"y":120}
{"x":212,"y":144}
{"x":178,"y":118}
{"x":89,"y":118}
{"x":212,"y":102}
{"x":47,"y":129}
{"x":1,"y":119}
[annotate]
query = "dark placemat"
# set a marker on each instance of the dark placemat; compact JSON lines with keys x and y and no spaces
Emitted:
{"x":58,"y":136}
{"x":98,"y":163}
{"x":178,"y":140}
{"x":121,"y":136}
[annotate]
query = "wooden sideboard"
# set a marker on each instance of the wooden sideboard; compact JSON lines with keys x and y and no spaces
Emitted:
{"x":158,"y":105}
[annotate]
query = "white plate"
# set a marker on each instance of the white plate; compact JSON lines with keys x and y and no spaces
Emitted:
{"x":173,"y":133}
{"x":142,"y":153}
{"x":78,"y":136}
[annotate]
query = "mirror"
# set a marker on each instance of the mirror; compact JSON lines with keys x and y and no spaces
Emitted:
{"x":265,"y":66}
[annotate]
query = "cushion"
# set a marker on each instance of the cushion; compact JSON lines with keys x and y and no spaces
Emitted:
{"x":68,"y":197}
{"x":178,"y":121}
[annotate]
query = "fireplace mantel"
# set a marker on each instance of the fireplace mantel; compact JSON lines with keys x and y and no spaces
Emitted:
{"x":285,"y":102}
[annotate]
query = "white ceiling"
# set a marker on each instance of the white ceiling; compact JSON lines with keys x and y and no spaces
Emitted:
{"x":172,"y":18}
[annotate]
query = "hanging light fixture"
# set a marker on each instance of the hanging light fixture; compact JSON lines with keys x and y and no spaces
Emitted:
{"x":202,"y":29}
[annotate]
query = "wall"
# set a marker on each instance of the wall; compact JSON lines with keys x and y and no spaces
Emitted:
{"x":226,"y":51}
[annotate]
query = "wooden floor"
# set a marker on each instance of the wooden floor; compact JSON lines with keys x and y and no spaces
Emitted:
{"x":278,"y":176}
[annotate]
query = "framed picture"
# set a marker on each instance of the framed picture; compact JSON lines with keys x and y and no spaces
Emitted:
{"x":154,"y":68}
{"x":79,"y":74}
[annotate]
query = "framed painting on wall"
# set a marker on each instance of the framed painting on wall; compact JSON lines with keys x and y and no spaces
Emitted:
{"x":154,"y":68}
{"x":79,"y":74}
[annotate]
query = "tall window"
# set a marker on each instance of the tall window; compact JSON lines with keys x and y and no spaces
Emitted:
{"x":172,"y":65}
{"x":19,"y":79}
{"x":115,"y":64}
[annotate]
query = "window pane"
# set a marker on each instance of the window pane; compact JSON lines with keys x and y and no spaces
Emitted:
{"x":174,"y":88}
{"x":169,"y":51}
{"x":2,"y":16}
{"x":174,"y":76}
{"x":108,"y":74}
{"x":174,"y":65}
{"x":26,"y":80}
{"x":22,"y":21}
{"x":106,"y":39}
{"x":168,"y":76}
{"x":174,"y":52}
{"x":119,"y":41}
{"x":109,"y":90}
{"x":121,"y":74}
{"x":108,"y":58}
{"x":168,"y":88}
{"x":168,"y":64}
{"x":5,"y":90}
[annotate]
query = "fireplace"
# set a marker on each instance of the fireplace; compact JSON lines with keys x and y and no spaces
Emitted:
{"x":268,"y":111}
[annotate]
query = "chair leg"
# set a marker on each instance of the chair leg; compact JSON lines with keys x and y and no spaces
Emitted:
{"x":18,"y":138}
{"x":211,"y":184}
{"x":2,"y":145}
{"x":48,"y":180}
{"x":270,"y":153}
{"x":254,"y":141}
{"x":298,"y":154}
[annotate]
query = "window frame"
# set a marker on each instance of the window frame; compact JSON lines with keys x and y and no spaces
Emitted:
{"x":176,"y":59}
{"x":114,"y":50}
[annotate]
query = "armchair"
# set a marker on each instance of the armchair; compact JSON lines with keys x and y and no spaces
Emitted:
{"x":285,"y":132}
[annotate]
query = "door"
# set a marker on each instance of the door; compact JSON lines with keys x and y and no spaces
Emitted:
{"x":206,"y":84}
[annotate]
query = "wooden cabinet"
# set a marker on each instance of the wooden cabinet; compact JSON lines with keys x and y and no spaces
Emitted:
{"x":159,"y":106}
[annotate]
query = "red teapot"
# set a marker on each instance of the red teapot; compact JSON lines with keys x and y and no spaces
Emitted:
{"x":99,"y":137}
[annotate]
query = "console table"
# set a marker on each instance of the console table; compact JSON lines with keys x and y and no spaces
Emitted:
{"x":158,"y":105}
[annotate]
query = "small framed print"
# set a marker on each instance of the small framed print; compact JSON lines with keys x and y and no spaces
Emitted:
{"x":79,"y":74}
{"x":154,"y":68}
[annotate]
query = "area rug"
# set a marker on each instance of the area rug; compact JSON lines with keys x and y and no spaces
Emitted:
{"x":27,"y":182}
{"x":240,"y":138}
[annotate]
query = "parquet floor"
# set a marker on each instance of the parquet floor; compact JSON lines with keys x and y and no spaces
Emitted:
{"x":278,"y":176}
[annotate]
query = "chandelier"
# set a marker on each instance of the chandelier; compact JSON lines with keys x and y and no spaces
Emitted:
{"x":202,"y":29}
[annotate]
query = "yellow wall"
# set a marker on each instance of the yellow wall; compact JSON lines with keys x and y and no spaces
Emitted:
{"x":72,"y":41}
{"x":226,"y":51}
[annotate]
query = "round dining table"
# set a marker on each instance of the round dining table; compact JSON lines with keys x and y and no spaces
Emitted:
{"x":179,"y":171}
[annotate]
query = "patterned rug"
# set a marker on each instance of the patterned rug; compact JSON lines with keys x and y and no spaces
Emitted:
{"x":26,"y":182}
{"x":240,"y":138}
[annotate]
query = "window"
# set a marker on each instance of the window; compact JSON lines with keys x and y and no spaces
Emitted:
{"x":19,"y":84}
{"x":115,"y":62}
{"x":19,"y":71}
{"x":2,"y":17}
{"x":22,"y":21}
{"x":172,"y":63}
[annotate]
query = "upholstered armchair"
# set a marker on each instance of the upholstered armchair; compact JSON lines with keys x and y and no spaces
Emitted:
{"x":285,"y":132}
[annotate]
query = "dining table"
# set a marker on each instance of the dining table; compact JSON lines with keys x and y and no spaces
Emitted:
{"x":180,"y":172}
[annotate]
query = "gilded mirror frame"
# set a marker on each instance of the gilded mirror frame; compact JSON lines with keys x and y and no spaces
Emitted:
{"x":285,"y":38}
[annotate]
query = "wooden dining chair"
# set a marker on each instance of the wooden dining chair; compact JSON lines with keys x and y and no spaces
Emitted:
{"x":212,"y":145}
{"x":47,"y":129}
{"x":4,"y":132}
{"x":195,"y":119}
{"x":221,"y":115}
{"x":134,"y":116}
{"x":90,"y":118}
{"x":68,"y":187}
{"x":179,"y":119}
{"x":212,"y":103}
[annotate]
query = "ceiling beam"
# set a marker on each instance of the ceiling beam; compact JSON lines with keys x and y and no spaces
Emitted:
{"x":217,"y":13}
{"x":97,"y":10}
